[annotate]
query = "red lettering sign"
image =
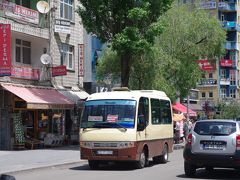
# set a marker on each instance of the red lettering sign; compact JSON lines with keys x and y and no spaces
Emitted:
{"x":25,"y":72}
{"x":226,"y":62}
{"x":205,"y":65}
{"x":5,"y":49}
{"x":81,"y":61}
{"x":59,"y":71}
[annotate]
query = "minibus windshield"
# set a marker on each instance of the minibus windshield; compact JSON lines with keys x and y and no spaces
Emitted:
{"x":109,"y":114}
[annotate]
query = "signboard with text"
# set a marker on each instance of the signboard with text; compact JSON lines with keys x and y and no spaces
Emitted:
{"x":81,"y":61}
{"x":5,"y":50}
{"x":205,"y":65}
{"x":226,"y":63}
{"x":62,"y":26}
{"x":25,"y":73}
{"x":59,"y":71}
{"x":24,"y":14}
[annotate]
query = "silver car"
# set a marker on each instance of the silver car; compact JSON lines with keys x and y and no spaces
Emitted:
{"x":212,"y":143}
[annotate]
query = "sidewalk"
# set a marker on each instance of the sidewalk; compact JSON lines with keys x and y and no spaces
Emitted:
{"x":12,"y":161}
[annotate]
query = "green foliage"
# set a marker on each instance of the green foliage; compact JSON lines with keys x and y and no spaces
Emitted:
{"x":228,"y":110}
{"x":189,"y":34}
{"x":127,"y":24}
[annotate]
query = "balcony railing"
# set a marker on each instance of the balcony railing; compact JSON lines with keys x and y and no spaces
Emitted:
{"x":224,"y":81}
{"x":207,"y":82}
{"x":224,"y":6}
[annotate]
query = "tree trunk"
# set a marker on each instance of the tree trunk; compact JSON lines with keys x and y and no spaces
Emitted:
{"x":125,"y":69}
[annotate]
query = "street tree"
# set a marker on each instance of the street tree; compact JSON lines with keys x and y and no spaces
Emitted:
{"x":228,"y":110}
{"x":189,"y":33}
{"x":128,"y":25}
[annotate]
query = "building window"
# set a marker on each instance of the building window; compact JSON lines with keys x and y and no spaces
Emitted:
{"x":23,"y":51}
{"x":24,"y":3}
{"x":67,"y":56}
{"x":210,"y":94}
{"x":232,"y":93}
{"x":223,"y":73}
{"x":223,"y":93}
{"x":203,"y":94}
{"x":210,"y":75}
{"x":66,"y":9}
{"x":232,"y":77}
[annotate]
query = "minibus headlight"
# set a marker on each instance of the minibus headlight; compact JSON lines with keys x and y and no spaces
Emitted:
{"x":126,"y":144}
{"x":86,"y":144}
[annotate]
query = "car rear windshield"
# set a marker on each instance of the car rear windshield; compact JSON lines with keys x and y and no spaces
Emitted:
{"x":215,"y":128}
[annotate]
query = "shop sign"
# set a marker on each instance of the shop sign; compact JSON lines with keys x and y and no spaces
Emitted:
{"x":226,"y":63}
{"x":208,"y":5}
{"x":25,"y":73}
{"x":81,"y":60}
{"x":62,"y":26}
{"x":59,"y":71}
{"x":205,"y":65}
{"x":5,"y":49}
{"x":24,"y":14}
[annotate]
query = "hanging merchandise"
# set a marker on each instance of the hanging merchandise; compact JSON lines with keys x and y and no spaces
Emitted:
{"x":18,"y":127}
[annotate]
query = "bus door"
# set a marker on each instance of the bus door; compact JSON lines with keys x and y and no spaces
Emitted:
{"x":142,"y":118}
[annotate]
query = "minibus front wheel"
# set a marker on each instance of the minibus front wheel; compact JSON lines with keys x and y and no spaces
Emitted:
{"x":143,"y":160}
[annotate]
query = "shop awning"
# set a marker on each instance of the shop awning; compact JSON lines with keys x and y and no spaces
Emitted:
{"x":183,"y":109}
{"x":178,"y":117}
{"x":39,"y":97}
{"x":75,"y":96}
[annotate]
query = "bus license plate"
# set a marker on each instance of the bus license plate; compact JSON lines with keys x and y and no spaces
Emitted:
{"x":101,"y":152}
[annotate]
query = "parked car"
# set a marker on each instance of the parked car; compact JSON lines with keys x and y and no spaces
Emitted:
{"x":212,"y":143}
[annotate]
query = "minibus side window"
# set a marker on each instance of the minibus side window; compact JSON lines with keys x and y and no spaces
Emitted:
{"x":166,"y":115}
{"x":155,"y":107}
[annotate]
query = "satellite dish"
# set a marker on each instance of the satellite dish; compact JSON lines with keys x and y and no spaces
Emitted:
{"x":46,"y":59}
{"x":43,"y":7}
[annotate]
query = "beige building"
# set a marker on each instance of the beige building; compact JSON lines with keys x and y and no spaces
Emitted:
{"x":41,"y":72}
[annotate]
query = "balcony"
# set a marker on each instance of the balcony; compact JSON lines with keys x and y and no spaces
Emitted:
{"x":224,"y":6}
{"x":24,"y":20}
{"x":225,"y":81}
{"x":231,"y":45}
{"x":207,"y":82}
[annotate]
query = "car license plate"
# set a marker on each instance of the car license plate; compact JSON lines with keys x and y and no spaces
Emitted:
{"x":102,"y":152}
{"x":213,"y":147}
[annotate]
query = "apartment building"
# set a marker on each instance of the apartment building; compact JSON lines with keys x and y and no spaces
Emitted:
{"x":41,"y":72}
{"x":220,"y":82}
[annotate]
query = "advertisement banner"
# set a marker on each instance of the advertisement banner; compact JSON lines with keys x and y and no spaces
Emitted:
{"x":5,"y":50}
{"x":205,"y":65}
{"x":25,"y":73}
{"x":62,"y":26}
{"x":226,"y":63}
{"x":81,"y":61}
{"x":24,"y":14}
{"x":59,"y":71}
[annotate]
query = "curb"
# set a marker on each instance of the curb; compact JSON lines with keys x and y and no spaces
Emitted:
{"x":41,"y":167}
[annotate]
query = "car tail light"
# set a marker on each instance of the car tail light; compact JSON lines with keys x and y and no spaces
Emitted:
{"x":238,"y":141}
{"x":189,"y":139}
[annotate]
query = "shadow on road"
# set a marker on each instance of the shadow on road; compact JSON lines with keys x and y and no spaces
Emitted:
{"x":112,"y":166}
{"x":216,"y":174}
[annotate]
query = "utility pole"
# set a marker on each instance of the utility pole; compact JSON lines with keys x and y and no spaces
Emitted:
{"x":188,"y":107}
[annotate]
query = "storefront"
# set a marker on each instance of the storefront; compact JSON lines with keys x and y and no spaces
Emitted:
{"x":36,"y":115}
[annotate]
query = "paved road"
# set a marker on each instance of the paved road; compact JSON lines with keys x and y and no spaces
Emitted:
{"x":173,"y":170}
